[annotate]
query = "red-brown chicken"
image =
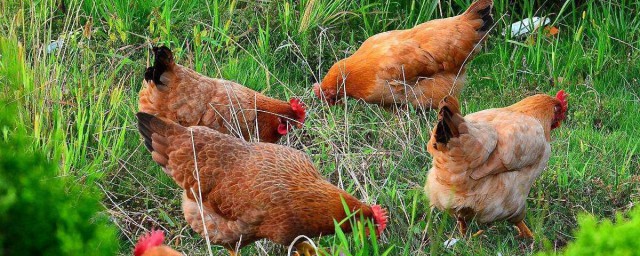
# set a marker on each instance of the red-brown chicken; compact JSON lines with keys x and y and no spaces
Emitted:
{"x":485,"y":163}
{"x":151,"y":245}
{"x":180,"y":94}
{"x":249,"y":191}
{"x":418,"y":66}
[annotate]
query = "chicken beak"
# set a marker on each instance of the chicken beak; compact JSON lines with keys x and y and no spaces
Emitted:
{"x":326,"y":96}
{"x":317,"y":90}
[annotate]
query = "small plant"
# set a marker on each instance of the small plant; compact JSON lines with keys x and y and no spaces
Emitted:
{"x":595,"y":237}
{"x":361,"y":241}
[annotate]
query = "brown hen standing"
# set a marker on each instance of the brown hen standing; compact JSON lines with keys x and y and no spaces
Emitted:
{"x":418,"y":66}
{"x":182,"y":95}
{"x":249,"y":191}
{"x":485,"y":163}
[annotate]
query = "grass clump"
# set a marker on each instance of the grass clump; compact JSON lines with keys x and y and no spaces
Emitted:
{"x":40,"y":212}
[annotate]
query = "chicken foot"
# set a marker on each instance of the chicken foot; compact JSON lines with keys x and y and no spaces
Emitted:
{"x":523,"y":230}
{"x":305,"y":249}
{"x":232,"y":251}
{"x":462,"y":226}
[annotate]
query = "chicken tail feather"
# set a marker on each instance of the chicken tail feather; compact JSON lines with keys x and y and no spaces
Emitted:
{"x":449,"y":119}
{"x":481,"y":10}
{"x":154,"y":131}
{"x":163,"y":62}
{"x":149,"y":124}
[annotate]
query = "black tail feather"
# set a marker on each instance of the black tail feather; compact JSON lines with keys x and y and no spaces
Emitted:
{"x":148,"y":74}
{"x":481,"y":9}
{"x":444,"y":131}
{"x":449,"y":119}
{"x":144,"y":127}
{"x":487,"y":19}
{"x":163,"y":61}
{"x":157,"y":133}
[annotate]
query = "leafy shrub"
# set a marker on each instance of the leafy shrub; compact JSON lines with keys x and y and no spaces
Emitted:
{"x":38,"y":216}
{"x":596,"y":237}
{"x":41,"y":214}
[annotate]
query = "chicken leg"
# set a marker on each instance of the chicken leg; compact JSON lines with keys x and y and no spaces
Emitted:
{"x":523,"y":230}
{"x":305,"y":249}
{"x":232,"y":251}
{"x":462,"y":226}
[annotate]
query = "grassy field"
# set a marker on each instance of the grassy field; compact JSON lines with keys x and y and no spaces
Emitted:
{"x":79,"y":66}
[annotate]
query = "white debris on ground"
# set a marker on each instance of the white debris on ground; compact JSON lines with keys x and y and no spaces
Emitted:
{"x":527,"y":26}
{"x":55,"y":45}
{"x":450,"y":243}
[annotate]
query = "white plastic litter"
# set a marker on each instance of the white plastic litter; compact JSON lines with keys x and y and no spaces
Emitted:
{"x":527,"y":26}
{"x":55,"y":45}
{"x":450,"y":243}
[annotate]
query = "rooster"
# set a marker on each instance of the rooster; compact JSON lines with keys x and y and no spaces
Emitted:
{"x":485,"y":163}
{"x":418,"y":66}
{"x":151,"y":245}
{"x":237,"y":192}
{"x":180,"y":94}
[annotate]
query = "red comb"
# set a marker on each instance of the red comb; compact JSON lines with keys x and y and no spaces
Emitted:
{"x":299,"y":109}
{"x":149,"y":240}
{"x":562,"y":97}
{"x":380,"y":218}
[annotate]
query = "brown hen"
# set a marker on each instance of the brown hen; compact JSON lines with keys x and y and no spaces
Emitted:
{"x":180,"y":94}
{"x":418,"y":66}
{"x":485,"y":163}
{"x":248,"y":191}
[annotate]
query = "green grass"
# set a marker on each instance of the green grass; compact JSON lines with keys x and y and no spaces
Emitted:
{"x":79,"y":102}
